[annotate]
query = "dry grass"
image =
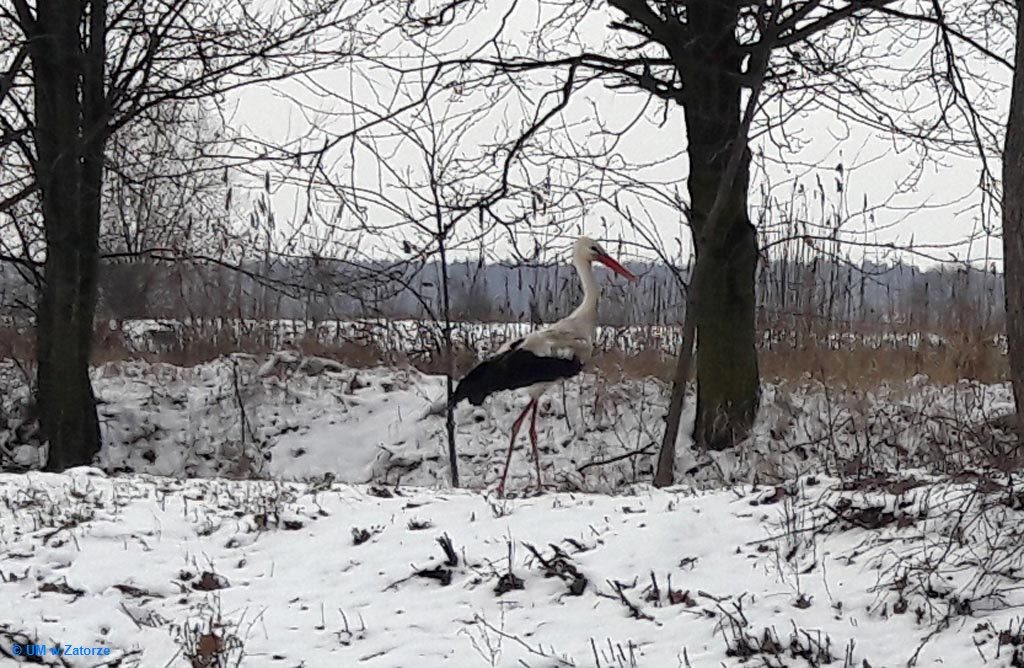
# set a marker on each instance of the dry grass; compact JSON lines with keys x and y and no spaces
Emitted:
{"x":858,"y":366}
{"x":863,"y":367}
{"x":961,"y":354}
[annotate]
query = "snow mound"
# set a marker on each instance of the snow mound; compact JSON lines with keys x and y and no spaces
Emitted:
{"x":289,"y":417}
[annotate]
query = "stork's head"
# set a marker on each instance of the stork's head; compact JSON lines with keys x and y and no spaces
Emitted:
{"x":587,"y":250}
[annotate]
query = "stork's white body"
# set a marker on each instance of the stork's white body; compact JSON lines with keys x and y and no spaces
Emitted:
{"x":557,"y":351}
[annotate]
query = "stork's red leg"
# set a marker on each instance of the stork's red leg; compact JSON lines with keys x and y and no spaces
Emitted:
{"x":533,"y":442}
{"x":511,"y":444}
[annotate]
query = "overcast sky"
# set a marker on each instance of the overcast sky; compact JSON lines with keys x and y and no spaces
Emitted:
{"x":939,"y":209}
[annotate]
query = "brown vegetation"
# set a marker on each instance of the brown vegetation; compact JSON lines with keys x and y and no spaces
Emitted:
{"x":860,"y":361}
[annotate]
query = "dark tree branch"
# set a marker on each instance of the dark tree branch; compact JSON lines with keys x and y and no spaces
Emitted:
{"x":939,"y":22}
{"x":7,"y":79}
{"x":800,"y":34}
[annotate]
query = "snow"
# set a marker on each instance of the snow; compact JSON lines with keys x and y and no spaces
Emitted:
{"x":286,"y":510}
{"x":142,"y":564}
{"x":296,"y":419}
{"x":289,"y":417}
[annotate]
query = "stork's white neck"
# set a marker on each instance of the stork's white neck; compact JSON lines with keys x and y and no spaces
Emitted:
{"x":588,"y":308}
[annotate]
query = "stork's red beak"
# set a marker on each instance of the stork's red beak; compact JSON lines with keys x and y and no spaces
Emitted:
{"x":607,"y":261}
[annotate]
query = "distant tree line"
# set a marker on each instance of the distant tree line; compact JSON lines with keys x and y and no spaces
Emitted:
{"x":838,"y":293}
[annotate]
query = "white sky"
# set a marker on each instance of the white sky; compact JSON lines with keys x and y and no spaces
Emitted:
{"x":939,"y":209}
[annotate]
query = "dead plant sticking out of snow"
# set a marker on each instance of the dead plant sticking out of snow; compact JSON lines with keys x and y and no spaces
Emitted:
{"x":208,"y":640}
{"x":745,"y":643}
{"x":360,"y":535}
{"x":488,"y":640}
{"x":560,"y":565}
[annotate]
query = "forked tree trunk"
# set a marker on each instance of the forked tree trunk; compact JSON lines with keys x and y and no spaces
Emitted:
{"x":1013,"y":225}
{"x":726,"y":254}
{"x":69,"y":137}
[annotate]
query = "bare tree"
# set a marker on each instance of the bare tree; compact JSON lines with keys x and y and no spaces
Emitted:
{"x":423,"y":209}
{"x":727,"y":64}
{"x":162,"y":190}
{"x":82,"y":72}
{"x":1013,"y":222}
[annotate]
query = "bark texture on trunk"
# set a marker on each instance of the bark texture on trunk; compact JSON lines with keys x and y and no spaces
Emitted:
{"x":1013,"y":223}
{"x":69,"y":138}
{"x":724,"y":300}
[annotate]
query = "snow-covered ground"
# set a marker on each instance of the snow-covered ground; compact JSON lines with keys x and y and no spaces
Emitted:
{"x":287,"y":511}
{"x":874,"y":572}
{"x":291,"y":418}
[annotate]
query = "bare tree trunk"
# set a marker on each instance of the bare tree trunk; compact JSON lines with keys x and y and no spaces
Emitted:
{"x":1013,"y":224}
{"x":69,"y":137}
{"x":726,"y":248}
{"x":664,"y":475}
{"x":449,"y":420}
{"x":728,"y":384}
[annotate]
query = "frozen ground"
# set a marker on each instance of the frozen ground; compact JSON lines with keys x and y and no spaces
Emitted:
{"x":293,"y":418}
{"x":878,"y":572}
{"x":853,"y":529}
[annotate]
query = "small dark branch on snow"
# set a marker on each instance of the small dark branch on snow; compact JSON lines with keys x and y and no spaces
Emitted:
{"x":509,"y":581}
{"x":360,"y":535}
{"x":418,"y":524}
{"x":452,"y":559}
{"x":442,"y":575}
{"x":640,"y":452}
{"x":653,"y":593}
{"x":381,"y":492}
{"x":560,"y":565}
{"x":634,"y":610}
{"x":439,"y":573}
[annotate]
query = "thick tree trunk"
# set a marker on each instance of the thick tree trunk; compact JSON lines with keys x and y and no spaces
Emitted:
{"x":1013,"y":224}
{"x":728,"y":386}
{"x":69,"y":140}
{"x":726,"y":253}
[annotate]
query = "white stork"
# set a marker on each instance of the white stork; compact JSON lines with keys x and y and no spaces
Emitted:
{"x":538,"y":360}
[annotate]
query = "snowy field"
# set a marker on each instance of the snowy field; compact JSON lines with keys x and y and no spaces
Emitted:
{"x":882,"y":572}
{"x":288,"y":511}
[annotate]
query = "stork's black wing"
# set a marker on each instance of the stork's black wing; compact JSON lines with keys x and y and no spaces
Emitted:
{"x":510,"y":370}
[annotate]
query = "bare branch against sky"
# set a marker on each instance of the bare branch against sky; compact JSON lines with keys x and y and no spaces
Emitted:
{"x":877,"y":86}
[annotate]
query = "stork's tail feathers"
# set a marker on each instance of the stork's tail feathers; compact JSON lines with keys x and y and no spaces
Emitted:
{"x":475,"y":385}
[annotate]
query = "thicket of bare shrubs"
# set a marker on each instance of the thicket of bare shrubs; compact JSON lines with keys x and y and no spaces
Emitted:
{"x":861,"y":358}
{"x":821,"y":319}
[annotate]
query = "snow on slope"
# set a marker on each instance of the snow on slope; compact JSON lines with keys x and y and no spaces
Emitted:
{"x":303,"y":570}
{"x":242,"y":417}
{"x":302,"y":419}
{"x":172,"y":573}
